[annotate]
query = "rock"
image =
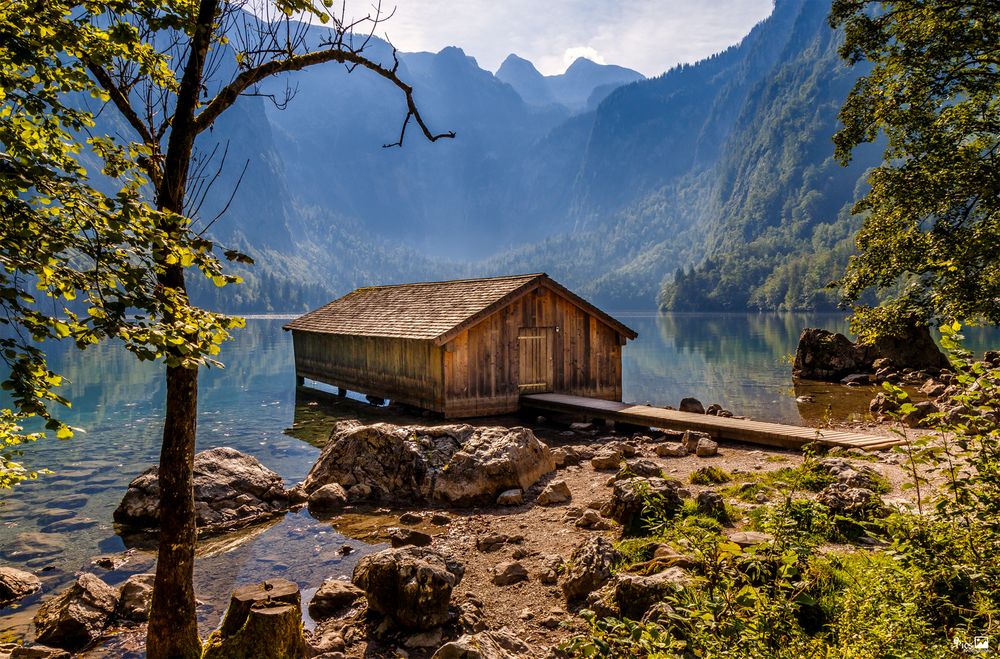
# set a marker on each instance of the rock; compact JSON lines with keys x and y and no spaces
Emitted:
{"x":440,"y":519}
{"x":591,"y":519}
{"x":823,"y":355}
{"x":645,"y":468}
{"x":919,"y":416}
{"x":706,"y":448}
{"x":329,"y":498}
{"x":555,"y":492}
{"x":884,"y":405}
{"x":458,"y":465}
{"x":607,"y":459}
{"x":589,"y":567}
{"x":691,"y":438}
{"x":692,"y":405}
{"x":713,"y":409}
{"x":552,"y":567}
{"x":854,"y":502}
{"x":16,"y":584}
{"x":492,"y":542}
{"x":581,"y":427}
{"x":75,"y":618}
{"x":712,"y":504}
{"x":513,"y":497}
{"x":359,"y":492}
{"x":750,"y":538}
{"x":856,"y":379}
{"x":932,"y":388}
{"x":135,"y":596}
{"x":671,"y":450}
{"x":38,"y":652}
{"x":428,"y":639}
{"x":410,"y":586}
{"x":484,"y":645}
{"x":629,"y":498}
{"x":409,"y":518}
{"x":407,"y":537}
{"x":333,"y":596}
{"x":231,"y":489}
{"x":509,"y":572}
{"x":861,"y":476}
{"x":632,"y":595}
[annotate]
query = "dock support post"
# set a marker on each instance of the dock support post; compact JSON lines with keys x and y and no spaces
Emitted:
{"x":342,"y":392}
{"x":300,"y":381}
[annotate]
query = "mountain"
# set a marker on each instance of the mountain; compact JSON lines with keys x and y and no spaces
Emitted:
{"x":711,"y":186}
{"x":581,"y":87}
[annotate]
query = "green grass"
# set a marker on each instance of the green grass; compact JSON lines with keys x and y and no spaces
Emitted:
{"x":746,"y":491}
{"x":710,"y":476}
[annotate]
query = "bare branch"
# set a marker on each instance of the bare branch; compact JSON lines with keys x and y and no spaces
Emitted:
{"x":228,"y":95}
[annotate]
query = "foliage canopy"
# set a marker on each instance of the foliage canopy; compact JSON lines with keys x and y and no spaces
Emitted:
{"x":931,"y":227}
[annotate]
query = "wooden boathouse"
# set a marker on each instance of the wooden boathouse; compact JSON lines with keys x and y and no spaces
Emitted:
{"x":463,"y":348}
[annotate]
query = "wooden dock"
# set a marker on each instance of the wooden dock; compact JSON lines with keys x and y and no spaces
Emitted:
{"x":737,"y":430}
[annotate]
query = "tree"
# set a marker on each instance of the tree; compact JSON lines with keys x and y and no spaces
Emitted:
{"x":929,"y":240}
{"x":159,"y":69}
{"x":77,"y":263}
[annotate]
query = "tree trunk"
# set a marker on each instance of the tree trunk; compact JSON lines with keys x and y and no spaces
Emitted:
{"x":173,"y":623}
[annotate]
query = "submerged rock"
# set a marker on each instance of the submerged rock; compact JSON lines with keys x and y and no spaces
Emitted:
{"x":411,"y":586}
{"x":231,"y":490}
{"x":457,"y":464}
{"x":75,"y":618}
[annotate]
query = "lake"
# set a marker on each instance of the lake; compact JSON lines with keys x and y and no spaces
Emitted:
{"x":55,"y":525}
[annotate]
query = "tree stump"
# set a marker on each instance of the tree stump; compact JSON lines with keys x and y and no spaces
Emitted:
{"x":262,"y":616}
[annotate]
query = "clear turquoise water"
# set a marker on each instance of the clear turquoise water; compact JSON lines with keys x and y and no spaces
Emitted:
{"x":738,"y":360}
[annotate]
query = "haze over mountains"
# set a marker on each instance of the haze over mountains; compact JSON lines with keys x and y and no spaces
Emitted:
{"x":609,"y":182}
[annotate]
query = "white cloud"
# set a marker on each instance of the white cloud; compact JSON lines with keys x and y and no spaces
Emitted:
{"x":647,"y":35}
{"x":576,"y":52}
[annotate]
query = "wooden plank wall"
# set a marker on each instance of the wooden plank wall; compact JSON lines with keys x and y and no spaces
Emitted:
{"x":481,"y":366}
{"x":405,"y":370}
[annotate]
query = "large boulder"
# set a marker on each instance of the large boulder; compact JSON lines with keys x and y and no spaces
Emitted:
{"x":590,"y":567}
{"x":15,"y":584}
{"x":455,"y":464}
{"x":411,"y":586}
{"x":633,"y":499}
{"x":829,"y":356}
{"x":231,"y":490}
{"x":75,"y":618}
{"x":632,"y":595}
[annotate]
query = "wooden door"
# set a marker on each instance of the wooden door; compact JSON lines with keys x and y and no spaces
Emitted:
{"x":536,"y":347}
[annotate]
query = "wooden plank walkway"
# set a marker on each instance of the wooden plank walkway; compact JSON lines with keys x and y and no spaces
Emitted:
{"x":737,"y":430}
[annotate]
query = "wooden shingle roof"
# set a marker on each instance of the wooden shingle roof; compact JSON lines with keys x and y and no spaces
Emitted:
{"x":435,"y":311}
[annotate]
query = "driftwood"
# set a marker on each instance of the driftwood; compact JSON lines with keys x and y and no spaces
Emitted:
{"x":261,"y":616}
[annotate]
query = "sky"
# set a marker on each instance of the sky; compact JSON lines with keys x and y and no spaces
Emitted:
{"x":649,"y":36}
